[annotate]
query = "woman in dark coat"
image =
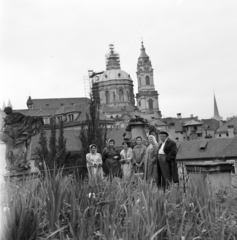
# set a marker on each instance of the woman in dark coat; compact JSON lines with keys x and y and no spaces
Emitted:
{"x":111,"y":157}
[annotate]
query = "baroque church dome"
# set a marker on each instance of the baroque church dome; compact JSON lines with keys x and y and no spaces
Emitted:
{"x":114,"y":88}
{"x":114,"y":74}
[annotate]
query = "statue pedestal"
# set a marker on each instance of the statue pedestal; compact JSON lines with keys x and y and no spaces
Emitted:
{"x":217,"y":175}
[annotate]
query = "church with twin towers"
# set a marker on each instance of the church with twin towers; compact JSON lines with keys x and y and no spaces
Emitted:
{"x":113,"y":89}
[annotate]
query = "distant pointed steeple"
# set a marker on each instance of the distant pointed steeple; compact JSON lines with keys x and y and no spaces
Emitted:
{"x":9,"y":104}
{"x":216,"y":112}
{"x":3,"y":106}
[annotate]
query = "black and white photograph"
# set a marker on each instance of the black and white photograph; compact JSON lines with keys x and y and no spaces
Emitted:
{"x":118,"y":120}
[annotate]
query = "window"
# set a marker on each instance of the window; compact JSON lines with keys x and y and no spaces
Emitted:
{"x":114,"y":97}
{"x":71,"y":117}
{"x":46,"y":120}
{"x":59,"y":119}
{"x":227,"y":134}
{"x":140,"y":82}
{"x":47,"y":104}
{"x":107,"y":97}
{"x":219,"y":135}
{"x":128,"y":97}
{"x":147,"y":80}
{"x":119,"y":74}
{"x":121,"y":97}
{"x":150,"y":104}
{"x":139,"y":103}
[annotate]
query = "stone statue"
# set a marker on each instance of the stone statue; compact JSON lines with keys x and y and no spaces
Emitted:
{"x":138,"y":126}
{"x":17,"y":131}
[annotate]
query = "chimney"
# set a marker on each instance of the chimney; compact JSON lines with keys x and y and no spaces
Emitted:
{"x":230,"y":131}
{"x":191,"y":116}
{"x":179,"y":116}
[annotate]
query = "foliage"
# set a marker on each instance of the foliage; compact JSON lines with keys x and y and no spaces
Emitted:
{"x":59,"y":207}
{"x":42,"y":151}
{"x":56,"y":154}
{"x":52,"y":140}
{"x":61,"y":147}
{"x":93,"y":130}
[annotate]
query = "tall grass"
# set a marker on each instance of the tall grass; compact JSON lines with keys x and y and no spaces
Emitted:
{"x":61,"y":207}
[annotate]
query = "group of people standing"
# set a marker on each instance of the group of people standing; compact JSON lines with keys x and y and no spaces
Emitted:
{"x":156,"y":161}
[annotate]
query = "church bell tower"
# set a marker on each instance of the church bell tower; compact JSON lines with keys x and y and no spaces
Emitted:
{"x":147,"y":96}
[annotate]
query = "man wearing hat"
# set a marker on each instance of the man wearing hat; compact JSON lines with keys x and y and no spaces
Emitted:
{"x":166,"y":163}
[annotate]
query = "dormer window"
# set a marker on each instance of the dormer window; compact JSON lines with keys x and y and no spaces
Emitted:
{"x":71,"y":117}
{"x":60,"y":119}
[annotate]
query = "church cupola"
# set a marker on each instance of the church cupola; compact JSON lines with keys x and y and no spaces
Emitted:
{"x":143,"y":52}
{"x":112,"y":59}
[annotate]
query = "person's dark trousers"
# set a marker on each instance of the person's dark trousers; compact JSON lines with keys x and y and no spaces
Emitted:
{"x":164,"y":174}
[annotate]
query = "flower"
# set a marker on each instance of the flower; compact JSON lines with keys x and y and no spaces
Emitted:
{"x":91,"y":195}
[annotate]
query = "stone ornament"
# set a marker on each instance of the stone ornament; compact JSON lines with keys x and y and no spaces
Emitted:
{"x":17,"y":131}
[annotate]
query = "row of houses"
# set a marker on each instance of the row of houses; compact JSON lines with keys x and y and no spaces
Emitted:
{"x":197,"y":140}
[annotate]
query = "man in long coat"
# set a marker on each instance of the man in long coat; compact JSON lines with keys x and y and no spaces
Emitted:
{"x":166,"y":163}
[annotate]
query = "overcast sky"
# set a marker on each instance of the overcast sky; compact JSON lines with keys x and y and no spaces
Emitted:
{"x":47,"y":47}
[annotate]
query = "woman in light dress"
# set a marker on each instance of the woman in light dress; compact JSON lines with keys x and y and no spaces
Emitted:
{"x":126,"y":161}
{"x":94,"y":164}
{"x":151,"y":160}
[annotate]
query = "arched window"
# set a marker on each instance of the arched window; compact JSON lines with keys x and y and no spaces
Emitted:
{"x":140,"y":82}
{"x":128,"y":97}
{"x":107,"y":97}
{"x":114,"y":97}
{"x":147,"y":80}
{"x":150,"y":103}
{"x":121,"y":98}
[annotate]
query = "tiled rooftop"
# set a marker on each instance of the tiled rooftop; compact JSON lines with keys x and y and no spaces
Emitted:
{"x":190,"y":150}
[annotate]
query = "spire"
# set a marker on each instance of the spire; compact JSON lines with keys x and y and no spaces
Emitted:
{"x":143,"y":52}
{"x":3,"y":106}
{"x":9,"y":104}
{"x":112,"y":59}
{"x":216,"y":112}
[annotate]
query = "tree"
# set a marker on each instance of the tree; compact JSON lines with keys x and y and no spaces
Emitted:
{"x":61,"y":146}
{"x":42,"y":151}
{"x":52,"y":142}
{"x":93,"y":130}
